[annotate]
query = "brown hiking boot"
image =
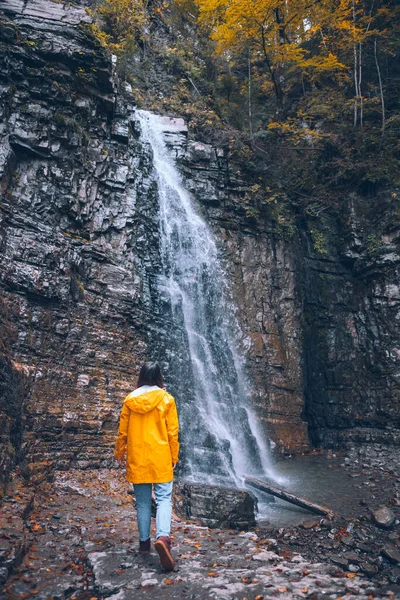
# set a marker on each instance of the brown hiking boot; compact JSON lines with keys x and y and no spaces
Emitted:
{"x":163,"y":547}
{"x":144,"y":547}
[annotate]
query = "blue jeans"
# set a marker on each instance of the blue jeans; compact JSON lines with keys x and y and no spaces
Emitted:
{"x":163,"y":493}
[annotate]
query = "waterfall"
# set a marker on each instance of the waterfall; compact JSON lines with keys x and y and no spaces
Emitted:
{"x":221,"y":440}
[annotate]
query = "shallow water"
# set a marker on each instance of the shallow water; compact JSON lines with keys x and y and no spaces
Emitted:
{"x":318,"y":479}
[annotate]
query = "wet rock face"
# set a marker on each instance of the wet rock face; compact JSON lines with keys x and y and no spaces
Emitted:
{"x":320,"y":329}
{"x":266,"y":290}
{"x":78,"y":232}
{"x":215,"y":507}
{"x":79,"y":239}
{"x":351,"y":340}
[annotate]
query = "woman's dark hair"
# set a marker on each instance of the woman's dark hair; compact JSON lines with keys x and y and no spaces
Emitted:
{"x":150,"y":374}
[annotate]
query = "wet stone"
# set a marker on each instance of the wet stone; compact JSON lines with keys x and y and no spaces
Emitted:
{"x":214,"y":506}
{"x":391,"y":553}
{"x":148,"y":583}
{"x":3,"y":574}
{"x":395,"y":575}
{"x":384,"y":517}
{"x":352,"y":557}
{"x":340,"y":561}
{"x":108,"y":571}
{"x":309,"y":524}
{"x":363,"y":547}
{"x":369,"y":569}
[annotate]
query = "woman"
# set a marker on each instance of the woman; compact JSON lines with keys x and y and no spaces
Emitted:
{"x":148,"y":434}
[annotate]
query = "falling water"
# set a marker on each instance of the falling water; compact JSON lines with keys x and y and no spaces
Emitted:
{"x":221,"y":441}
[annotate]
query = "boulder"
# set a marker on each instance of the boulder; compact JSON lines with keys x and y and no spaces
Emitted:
{"x":214,"y":506}
{"x":340,"y":561}
{"x":383,"y":517}
{"x":391,"y":553}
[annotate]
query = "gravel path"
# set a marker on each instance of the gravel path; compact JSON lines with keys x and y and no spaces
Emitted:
{"x":80,"y":542}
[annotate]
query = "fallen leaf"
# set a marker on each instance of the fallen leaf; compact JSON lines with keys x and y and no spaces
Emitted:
{"x":246,"y":579}
{"x":304,"y":590}
{"x":169,"y":581}
{"x":282,"y":589}
{"x":212,"y":574}
{"x":259,"y":598}
{"x":350,"y":575}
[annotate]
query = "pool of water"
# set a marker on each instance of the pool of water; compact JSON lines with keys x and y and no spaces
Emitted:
{"x":315,"y":478}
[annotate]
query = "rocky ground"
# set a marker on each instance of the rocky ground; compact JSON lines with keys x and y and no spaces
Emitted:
{"x":76,"y":538}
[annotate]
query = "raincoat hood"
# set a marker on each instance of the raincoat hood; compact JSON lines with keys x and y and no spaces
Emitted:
{"x":144,"y":399}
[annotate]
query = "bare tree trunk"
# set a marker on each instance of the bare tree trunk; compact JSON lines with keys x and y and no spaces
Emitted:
{"x":359,"y":85}
{"x":355,"y":71}
{"x":193,"y":84}
{"x":278,"y":96}
{"x":380,"y":88}
{"x":283,"y":495}
{"x":249,"y":92}
{"x":323,"y":38}
{"x":355,"y":87}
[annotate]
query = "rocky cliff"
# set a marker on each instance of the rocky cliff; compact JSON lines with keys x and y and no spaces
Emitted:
{"x":80,"y":256}
{"x":321,"y":323}
{"x":75,"y":240}
{"x":351,"y":336}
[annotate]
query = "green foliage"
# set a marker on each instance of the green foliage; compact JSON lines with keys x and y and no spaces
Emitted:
{"x":373,"y":244}
{"x":319,"y":241}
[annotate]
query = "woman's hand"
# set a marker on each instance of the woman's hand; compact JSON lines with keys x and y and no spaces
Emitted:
{"x":174,"y":465}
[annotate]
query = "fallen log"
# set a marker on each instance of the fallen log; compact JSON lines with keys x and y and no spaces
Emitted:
{"x":279,"y":493}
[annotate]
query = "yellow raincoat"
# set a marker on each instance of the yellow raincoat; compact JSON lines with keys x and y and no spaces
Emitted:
{"x":148,"y":433}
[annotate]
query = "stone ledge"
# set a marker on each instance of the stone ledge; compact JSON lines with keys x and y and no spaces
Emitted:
{"x":214,"y":506}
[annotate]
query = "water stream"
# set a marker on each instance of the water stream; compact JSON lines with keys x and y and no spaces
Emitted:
{"x":221,"y":440}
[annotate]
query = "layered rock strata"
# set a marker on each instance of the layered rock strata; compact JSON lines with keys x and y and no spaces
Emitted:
{"x":320,"y":323}
{"x":351,"y":334}
{"x":76,"y":243}
{"x":80,"y":256}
